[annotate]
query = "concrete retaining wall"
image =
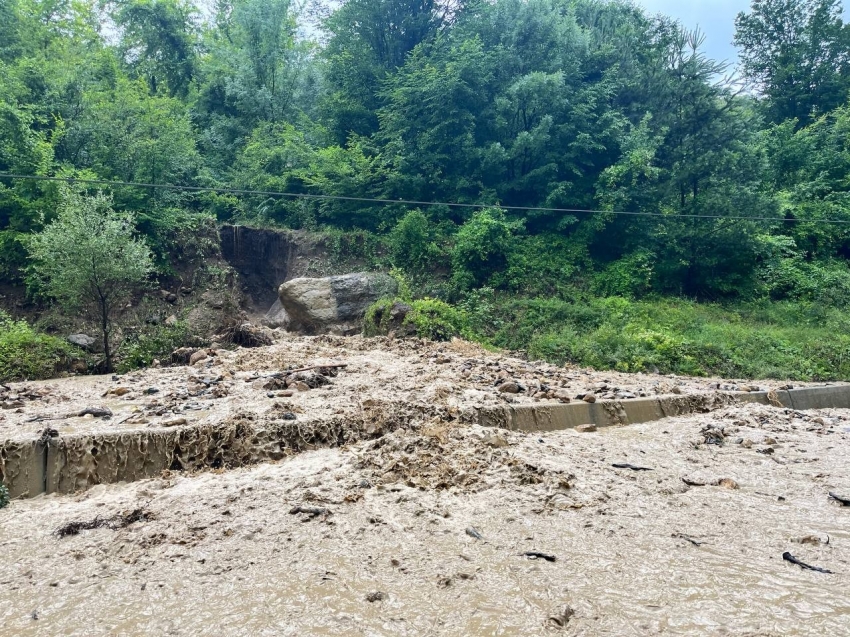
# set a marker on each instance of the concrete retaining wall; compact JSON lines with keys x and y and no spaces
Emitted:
{"x":73,"y":463}
{"x":631,"y":412}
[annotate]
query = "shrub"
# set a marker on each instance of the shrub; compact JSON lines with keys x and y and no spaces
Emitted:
{"x":428,"y":318}
{"x":412,"y":243}
{"x":156,"y":342}
{"x":437,"y":320}
{"x":482,"y":246}
{"x":26,"y":354}
{"x":4,"y":496}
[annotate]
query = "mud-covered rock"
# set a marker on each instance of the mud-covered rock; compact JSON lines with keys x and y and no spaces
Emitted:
{"x":334,"y":304}
{"x":276,"y":316}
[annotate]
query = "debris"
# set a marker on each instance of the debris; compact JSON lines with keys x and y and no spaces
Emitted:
{"x":97,"y":412}
{"x":790,"y":558}
{"x":472,"y":532}
{"x":810,"y":539}
{"x":117,"y":521}
{"x":313,"y":512}
{"x":845,"y":502}
{"x":535,"y":555}
{"x":561,"y":619}
{"x":586,"y":428}
{"x":377,"y":596}
{"x":687,"y":538}
{"x":246,"y":335}
{"x":625,"y":465}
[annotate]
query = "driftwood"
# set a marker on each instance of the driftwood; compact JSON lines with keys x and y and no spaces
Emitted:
{"x":790,"y":558}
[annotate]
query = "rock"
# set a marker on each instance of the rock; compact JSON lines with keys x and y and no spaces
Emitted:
{"x":561,"y":394}
{"x":727,"y":483}
{"x":176,"y":422}
{"x":586,"y":428}
{"x":509,"y":387}
{"x":676,"y":390}
{"x":334,"y":304}
{"x":83,"y":341}
{"x":377,"y":596}
{"x":168,"y":297}
{"x":302,"y":386}
{"x":197,"y":357}
{"x":276,"y":317}
{"x":118,"y":391}
{"x":495,"y":440}
{"x":181,"y":356}
{"x":747,"y":444}
{"x":150,"y":391}
{"x":171,"y":321}
{"x":589,"y":398}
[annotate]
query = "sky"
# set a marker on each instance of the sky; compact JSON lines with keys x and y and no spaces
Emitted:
{"x":716,"y":18}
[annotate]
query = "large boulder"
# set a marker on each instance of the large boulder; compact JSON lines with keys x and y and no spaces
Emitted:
{"x":83,"y":341}
{"x":335,"y":304}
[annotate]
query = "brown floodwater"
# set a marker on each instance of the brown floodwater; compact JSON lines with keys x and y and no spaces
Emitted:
{"x":223,"y":555}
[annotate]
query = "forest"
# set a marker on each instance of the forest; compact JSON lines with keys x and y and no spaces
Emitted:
{"x":574,"y":179}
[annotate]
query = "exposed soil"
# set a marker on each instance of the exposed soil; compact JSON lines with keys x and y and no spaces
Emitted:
{"x":426,"y":531}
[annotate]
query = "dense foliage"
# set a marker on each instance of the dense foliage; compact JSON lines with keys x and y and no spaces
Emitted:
{"x":536,"y":110}
{"x":26,"y":354}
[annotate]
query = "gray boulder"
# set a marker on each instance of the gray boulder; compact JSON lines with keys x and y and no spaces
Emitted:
{"x":276,"y":316}
{"x":83,"y":341}
{"x":333,"y":305}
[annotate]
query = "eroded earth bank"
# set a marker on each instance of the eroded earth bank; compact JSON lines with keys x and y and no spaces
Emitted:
{"x":421,"y":522}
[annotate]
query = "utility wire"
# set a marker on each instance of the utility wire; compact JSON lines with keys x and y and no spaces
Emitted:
{"x":298,"y":195}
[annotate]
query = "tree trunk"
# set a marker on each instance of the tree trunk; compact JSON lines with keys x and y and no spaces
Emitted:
{"x":104,"y":327}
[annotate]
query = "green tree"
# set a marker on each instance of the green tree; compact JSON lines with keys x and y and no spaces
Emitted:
{"x":89,"y":260}
{"x":797,"y":53}
{"x":159,"y":40}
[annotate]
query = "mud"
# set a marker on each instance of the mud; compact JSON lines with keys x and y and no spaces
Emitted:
{"x":637,"y":553}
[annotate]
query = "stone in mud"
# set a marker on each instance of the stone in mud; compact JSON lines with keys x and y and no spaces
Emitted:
{"x":509,"y":387}
{"x":377,"y":596}
{"x":589,"y":398}
{"x":168,"y":297}
{"x":586,"y":428}
{"x":334,"y":305}
{"x":197,"y":356}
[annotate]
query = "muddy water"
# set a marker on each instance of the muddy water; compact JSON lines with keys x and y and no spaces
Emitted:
{"x":224,"y":555}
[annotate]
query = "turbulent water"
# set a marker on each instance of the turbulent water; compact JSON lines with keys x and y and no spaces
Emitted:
{"x":223,"y":554}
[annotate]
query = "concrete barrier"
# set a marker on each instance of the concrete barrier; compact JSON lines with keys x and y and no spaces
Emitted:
{"x":67,"y":464}
{"x":548,"y":417}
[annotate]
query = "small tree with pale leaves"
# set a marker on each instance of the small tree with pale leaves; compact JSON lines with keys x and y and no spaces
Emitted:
{"x":89,"y":260}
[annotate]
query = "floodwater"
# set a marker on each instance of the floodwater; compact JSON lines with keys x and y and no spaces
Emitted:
{"x":224,"y":555}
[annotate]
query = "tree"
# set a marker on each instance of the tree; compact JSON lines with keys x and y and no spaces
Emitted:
{"x":159,"y":39}
{"x":89,"y":260}
{"x":797,"y":53}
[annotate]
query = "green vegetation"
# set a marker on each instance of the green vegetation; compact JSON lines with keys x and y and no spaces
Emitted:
{"x":88,"y":260}
{"x":4,"y":496}
{"x":156,"y":343}
{"x":26,"y":354}
{"x":545,"y":120}
{"x":765,"y":340}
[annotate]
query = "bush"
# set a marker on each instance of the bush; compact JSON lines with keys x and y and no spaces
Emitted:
{"x":4,"y":496}
{"x":157,"y":342}
{"x":428,"y":318}
{"x":412,"y":243}
{"x":26,"y":354}
{"x":482,"y":246}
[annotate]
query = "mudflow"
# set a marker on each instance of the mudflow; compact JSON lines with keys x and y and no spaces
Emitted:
{"x":389,"y":511}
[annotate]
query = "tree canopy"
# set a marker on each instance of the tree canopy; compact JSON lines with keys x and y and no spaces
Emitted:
{"x":564,"y":113}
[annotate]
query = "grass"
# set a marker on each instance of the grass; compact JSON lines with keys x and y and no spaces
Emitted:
{"x":785,"y":340}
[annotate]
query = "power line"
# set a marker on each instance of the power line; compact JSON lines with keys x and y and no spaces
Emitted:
{"x":409,"y":202}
